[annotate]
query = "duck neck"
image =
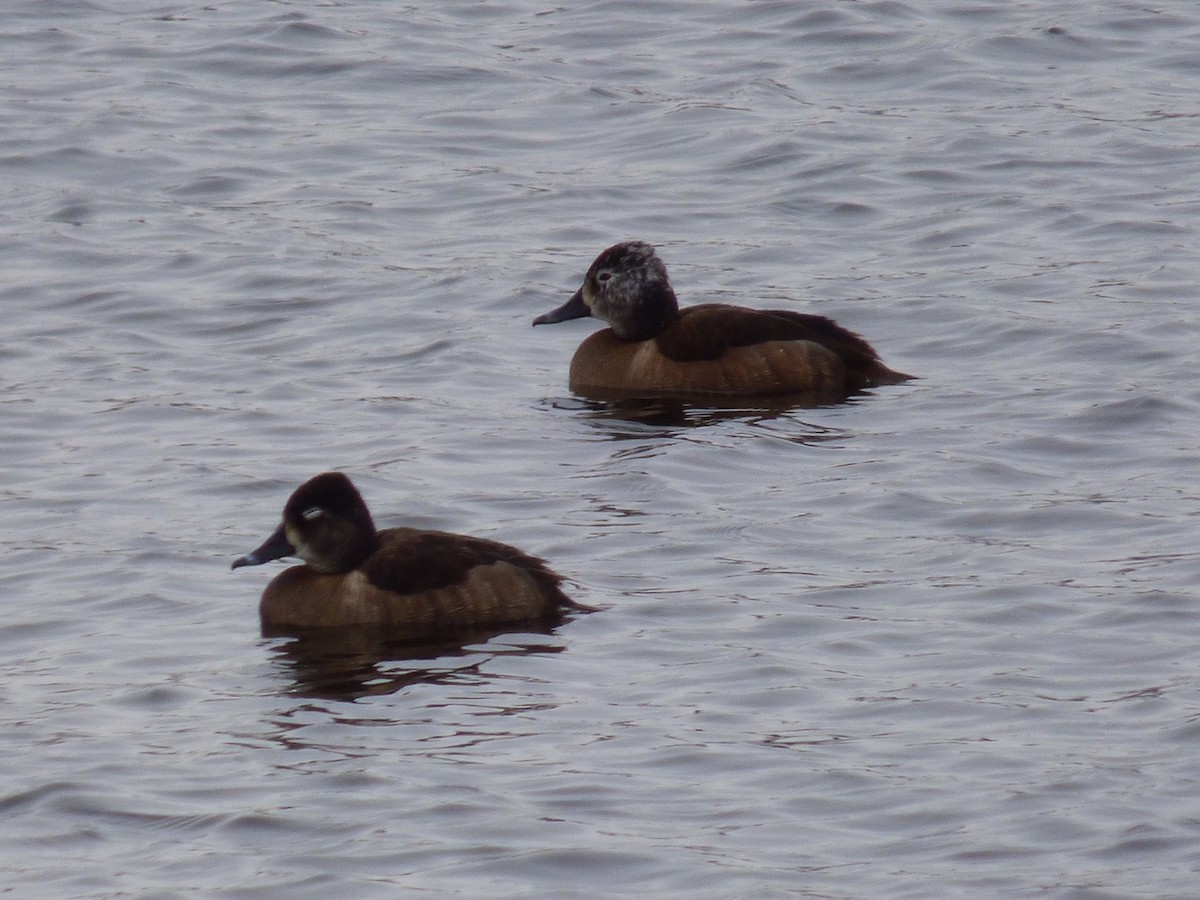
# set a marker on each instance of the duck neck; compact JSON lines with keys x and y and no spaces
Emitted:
{"x":354,"y":541}
{"x":657,"y":308}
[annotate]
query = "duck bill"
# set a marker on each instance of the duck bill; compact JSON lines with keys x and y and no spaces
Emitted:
{"x":274,"y":547}
{"x":574,"y":308}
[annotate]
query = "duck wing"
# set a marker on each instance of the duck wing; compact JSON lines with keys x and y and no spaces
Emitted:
{"x":707,"y":331}
{"x":410,"y":561}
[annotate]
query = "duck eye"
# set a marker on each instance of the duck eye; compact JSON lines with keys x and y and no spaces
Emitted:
{"x":313,"y":512}
{"x":603,"y":276}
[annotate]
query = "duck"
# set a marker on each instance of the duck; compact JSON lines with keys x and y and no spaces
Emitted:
{"x":354,"y":574}
{"x":652,"y":347}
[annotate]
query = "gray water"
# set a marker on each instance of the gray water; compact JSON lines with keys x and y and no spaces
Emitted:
{"x":937,"y":641}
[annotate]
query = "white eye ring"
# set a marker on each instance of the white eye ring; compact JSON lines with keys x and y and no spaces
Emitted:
{"x":313,"y":512}
{"x":603,"y":276}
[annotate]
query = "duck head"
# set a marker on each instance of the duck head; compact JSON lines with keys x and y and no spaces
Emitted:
{"x":627,"y":287}
{"x":325,"y":523}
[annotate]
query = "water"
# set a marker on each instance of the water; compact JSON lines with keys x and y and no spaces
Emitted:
{"x":936,"y":641}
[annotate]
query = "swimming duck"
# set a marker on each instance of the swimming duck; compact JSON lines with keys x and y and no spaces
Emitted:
{"x":355,"y":575}
{"x":652,"y":346}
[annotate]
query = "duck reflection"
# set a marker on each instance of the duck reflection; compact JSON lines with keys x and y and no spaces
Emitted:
{"x":352,"y":662}
{"x":617,"y":415}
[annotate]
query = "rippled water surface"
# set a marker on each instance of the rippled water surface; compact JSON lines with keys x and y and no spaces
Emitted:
{"x":939,"y":640}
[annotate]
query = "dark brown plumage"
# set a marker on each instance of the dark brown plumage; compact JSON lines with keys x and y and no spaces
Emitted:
{"x":355,"y":575}
{"x":652,"y":346}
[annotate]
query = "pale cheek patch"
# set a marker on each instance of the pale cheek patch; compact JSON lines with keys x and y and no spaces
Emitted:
{"x":303,"y":550}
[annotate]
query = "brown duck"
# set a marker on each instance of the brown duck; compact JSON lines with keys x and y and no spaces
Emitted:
{"x":355,"y":575}
{"x":654,"y":347}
